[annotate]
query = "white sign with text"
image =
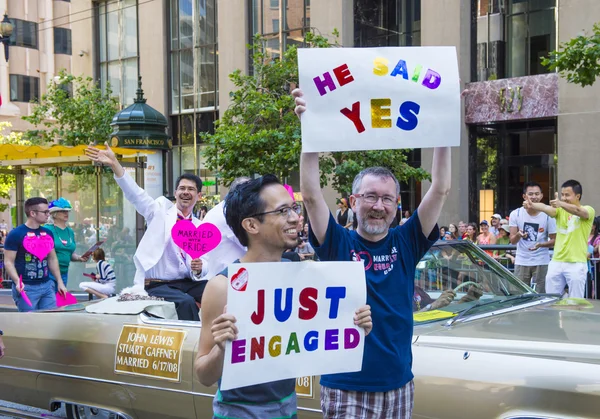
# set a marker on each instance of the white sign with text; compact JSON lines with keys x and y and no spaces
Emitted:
{"x":379,"y":98}
{"x":294,"y":320}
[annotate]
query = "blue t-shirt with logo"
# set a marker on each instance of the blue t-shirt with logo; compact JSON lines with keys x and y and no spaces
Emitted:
{"x":390,"y":266}
{"x":28,"y":266}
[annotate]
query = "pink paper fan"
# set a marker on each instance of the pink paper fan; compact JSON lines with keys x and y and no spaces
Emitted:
{"x":67,"y":300}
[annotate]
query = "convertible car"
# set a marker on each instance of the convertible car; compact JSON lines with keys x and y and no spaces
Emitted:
{"x":499,"y":350}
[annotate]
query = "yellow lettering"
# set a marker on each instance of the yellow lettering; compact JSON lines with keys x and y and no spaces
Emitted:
{"x":380,"y":66}
{"x":275,"y":346}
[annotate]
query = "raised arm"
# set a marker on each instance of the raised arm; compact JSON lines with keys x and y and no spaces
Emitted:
{"x":538,"y":206}
{"x":143,"y":203}
{"x":433,"y":201}
{"x":310,"y":185}
{"x":579,"y":211}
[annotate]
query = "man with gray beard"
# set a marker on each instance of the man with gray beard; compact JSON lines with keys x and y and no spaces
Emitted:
{"x":384,"y":387}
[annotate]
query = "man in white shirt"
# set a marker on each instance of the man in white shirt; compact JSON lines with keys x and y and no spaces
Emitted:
{"x":230,"y":248}
{"x":162,"y":268}
{"x":534,"y":233}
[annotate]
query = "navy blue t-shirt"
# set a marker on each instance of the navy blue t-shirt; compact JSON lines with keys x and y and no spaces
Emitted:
{"x":28,"y":266}
{"x":390,"y":266}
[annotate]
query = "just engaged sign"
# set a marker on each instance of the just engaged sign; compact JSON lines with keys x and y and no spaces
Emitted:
{"x":379,"y":98}
{"x":293,"y":320}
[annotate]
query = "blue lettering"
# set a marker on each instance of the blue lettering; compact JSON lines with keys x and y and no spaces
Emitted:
{"x":335,"y":294}
{"x":408,"y":120}
{"x":282,"y":314}
{"x":311,"y":341}
{"x":400,"y":69}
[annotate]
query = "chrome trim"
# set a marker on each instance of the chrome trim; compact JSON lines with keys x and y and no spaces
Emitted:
{"x":101,"y":380}
{"x":115,"y":412}
{"x":146,"y":319}
{"x":452,"y":322}
{"x":12,"y":412}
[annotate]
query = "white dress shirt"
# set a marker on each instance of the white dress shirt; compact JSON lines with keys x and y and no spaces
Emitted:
{"x":230,"y":248}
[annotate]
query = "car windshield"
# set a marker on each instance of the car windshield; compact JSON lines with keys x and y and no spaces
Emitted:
{"x":480,"y":284}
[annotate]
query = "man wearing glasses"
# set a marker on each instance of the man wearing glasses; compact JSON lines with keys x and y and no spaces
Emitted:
{"x":34,"y":272}
{"x":162,"y":268}
{"x":384,"y":387}
{"x":264,"y":217}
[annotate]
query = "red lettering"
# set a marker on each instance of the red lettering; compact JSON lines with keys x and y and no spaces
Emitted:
{"x":308,"y":304}
{"x":259,"y":315}
{"x":342,"y":74}
{"x":354,"y":116}
{"x":257,"y":348}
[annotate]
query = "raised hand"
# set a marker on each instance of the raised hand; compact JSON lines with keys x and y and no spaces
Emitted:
{"x":106,"y":157}
{"x":527,"y":204}
{"x":556,"y":203}
{"x":300,"y":102}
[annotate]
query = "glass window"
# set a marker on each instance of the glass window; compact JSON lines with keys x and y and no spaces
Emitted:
{"x":117,"y":32}
{"x":193,"y":55}
{"x":62,"y":41}
{"x":25,"y":34}
{"x":513,"y":36}
{"x":387,"y":23}
{"x":24,"y":88}
{"x":267,"y":18}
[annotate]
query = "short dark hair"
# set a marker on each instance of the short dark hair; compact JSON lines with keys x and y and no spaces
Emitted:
{"x":527,"y":185}
{"x":244,"y":201}
{"x":192,"y":177}
{"x":33,"y":202}
{"x":575,"y":185}
{"x":99,"y":254}
{"x":204,"y":208}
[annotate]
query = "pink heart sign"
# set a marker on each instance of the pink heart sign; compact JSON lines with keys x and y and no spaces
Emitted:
{"x":38,"y":246}
{"x":195,"y":241}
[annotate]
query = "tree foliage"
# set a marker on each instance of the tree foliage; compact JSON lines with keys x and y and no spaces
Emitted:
{"x":259,"y":133}
{"x":75,"y":110}
{"x":578,"y":60}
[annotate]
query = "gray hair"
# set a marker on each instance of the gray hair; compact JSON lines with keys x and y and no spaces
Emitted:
{"x":380,"y":172}
{"x":238,"y":181}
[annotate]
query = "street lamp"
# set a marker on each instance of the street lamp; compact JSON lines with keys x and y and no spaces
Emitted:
{"x":6,"y":29}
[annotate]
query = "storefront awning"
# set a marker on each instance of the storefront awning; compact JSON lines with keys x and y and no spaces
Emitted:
{"x":17,"y":155}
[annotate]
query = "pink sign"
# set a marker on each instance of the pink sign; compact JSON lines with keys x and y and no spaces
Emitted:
{"x":38,"y":246}
{"x":67,"y":300}
{"x":195,"y":241}
{"x":23,"y":293}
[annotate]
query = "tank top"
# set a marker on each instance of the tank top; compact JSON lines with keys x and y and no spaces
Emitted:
{"x":272,"y":400}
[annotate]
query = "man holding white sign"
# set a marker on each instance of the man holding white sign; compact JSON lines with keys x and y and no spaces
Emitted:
{"x":264,"y":217}
{"x":384,"y":388}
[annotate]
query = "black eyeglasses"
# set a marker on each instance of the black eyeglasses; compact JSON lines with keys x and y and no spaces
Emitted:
{"x":284,"y":212}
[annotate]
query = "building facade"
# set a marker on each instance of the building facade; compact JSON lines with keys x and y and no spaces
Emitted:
{"x":520,"y":122}
{"x":39,"y":47}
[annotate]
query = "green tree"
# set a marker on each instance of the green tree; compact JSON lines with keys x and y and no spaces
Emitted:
{"x":260,"y":133}
{"x":75,"y":110}
{"x":578,"y":60}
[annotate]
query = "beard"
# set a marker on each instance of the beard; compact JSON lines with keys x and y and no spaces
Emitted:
{"x":374,"y":229}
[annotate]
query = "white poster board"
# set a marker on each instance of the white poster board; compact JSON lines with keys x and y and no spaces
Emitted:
{"x":379,"y":98}
{"x":293,"y":319}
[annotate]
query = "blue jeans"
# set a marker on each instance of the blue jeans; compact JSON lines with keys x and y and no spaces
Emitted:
{"x":42,"y":296}
{"x":64,"y":277}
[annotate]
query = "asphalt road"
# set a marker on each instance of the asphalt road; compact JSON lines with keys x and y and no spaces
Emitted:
{"x":50,"y":415}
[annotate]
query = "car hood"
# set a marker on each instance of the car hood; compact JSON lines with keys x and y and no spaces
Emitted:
{"x":567,"y":332}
